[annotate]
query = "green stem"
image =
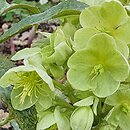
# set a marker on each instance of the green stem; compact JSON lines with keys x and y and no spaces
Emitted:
{"x":66,"y":92}
{"x":125,"y":83}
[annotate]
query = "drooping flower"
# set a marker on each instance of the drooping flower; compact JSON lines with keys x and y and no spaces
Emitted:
{"x":119,"y":115}
{"x":111,"y":18}
{"x":99,"y":67}
{"x":60,"y":49}
{"x":28,"y":86}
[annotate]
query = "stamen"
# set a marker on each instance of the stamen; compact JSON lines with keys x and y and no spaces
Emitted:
{"x":97,"y":70}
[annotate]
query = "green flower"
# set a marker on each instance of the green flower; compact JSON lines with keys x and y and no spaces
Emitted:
{"x":99,"y":68}
{"x":111,"y":18}
{"x":120,"y":114}
{"x":28,"y":87}
{"x":59,"y":49}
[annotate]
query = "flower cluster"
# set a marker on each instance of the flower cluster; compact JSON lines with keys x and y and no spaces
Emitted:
{"x":81,"y":70}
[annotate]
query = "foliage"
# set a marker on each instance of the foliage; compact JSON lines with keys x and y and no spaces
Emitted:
{"x":79,"y":77}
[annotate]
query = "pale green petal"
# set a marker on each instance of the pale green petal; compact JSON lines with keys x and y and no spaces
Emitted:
{"x":83,"y":58}
{"x":104,"y":47}
{"x":101,"y":53}
{"x":106,"y":85}
{"x":35,"y":60}
{"x":44,"y":100}
{"x":122,"y":47}
{"x":61,"y":54}
{"x":82,"y":118}
{"x":91,"y":17}
{"x":85,"y":102}
{"x":117,"y":65}
{"x":123,"y":31}
{"x":10,"y":77}
{"x":46,"y":78}
{"x":69,"y":30}
{"x":101,"y":44}
{"x":95,"y":105}
{"x":59,"y":37}
{"x":82,"y":82}
{"x":113,"y":13}
{"x":82,"y":36}
{"x":120,"y":97}
{"x":25,"y":53}
{"x":114,"y":116}
{"x":57,"y":71}
{"x":125,"y":121}
{"x":46,"y":121}
{"x":16,"y":100}
{"x":61,"y":120}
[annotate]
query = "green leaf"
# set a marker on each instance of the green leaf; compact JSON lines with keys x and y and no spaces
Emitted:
{"x":70,"y":16}
{"x":3,"y":5}
{"x":61,"y":120}
{"x":85,"y":102}
{"x":38,"y":18}
{"x":82,"y":118}
{"x":5,"y":65}
{"x":30,"y":8}
{"x":46,"y":121}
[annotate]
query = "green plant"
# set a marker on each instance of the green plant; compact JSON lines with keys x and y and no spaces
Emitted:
{"x":79,"y":77}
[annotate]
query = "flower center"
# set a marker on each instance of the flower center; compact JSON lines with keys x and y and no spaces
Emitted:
{"x":29,"y":82}
{"x":97,"y":70}
{"x":125,"y":108}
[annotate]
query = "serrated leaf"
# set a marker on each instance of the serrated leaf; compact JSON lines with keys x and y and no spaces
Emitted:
{"x":30,"y":8}
{"x":38,"y":18}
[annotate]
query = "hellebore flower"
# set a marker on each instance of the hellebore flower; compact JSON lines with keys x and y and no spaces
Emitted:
{"x":120,"y":113}
{"x":30,"y":85}
{"x":100,"y":67}
{"x":111,"y":18}
{"x":60,"y":46}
